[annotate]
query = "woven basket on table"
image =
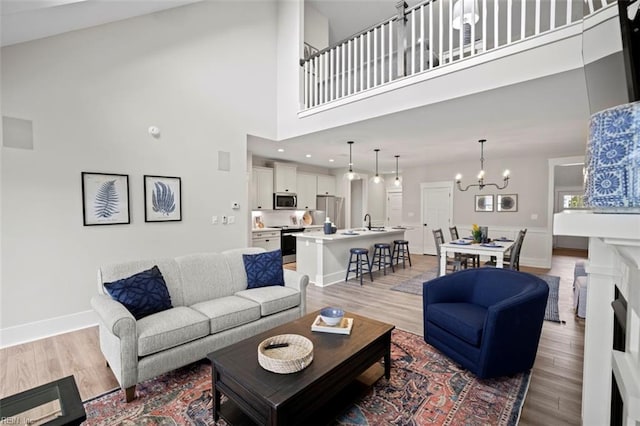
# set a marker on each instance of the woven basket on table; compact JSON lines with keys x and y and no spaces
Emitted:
{"x":290,"y":359}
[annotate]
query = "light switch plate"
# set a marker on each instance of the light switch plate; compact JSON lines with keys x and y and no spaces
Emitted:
{"x":214,"y":220}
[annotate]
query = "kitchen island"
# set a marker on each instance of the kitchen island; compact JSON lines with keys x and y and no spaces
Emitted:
{"x":324,"y":257}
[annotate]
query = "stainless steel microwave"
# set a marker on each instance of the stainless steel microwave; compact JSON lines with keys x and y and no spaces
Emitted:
{"x":284,"y":201}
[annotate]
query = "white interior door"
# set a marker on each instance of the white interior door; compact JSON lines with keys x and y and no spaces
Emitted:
{"x":437,"y":211}
{"x":394,"y":208}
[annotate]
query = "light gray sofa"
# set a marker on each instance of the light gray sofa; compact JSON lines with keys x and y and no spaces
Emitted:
{"x":212,"y":308}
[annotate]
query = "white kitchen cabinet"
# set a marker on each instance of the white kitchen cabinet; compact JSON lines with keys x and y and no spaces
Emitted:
{"x":261,"y":188}
{"x":306,"y":191}
{"x":326,"y":185}
{"x":285,"y":177}
{"x":268,"y":240}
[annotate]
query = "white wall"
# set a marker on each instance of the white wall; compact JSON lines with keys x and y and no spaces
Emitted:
{"x":316,"y":27}
{"x":529,"y":180}
{"x":92,"y":94}
{"x":377,"y":203}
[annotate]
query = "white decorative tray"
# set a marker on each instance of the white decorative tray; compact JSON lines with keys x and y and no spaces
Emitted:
{"x":343,"y":327}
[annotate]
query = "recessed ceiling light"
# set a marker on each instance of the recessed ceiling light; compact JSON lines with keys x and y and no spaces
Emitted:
{"x":331,"y":160}
{"x":308,"y":155}
{"x":280,"y":149}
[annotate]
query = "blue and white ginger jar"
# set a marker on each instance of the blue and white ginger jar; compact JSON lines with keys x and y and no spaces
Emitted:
{"x":612,"y":179}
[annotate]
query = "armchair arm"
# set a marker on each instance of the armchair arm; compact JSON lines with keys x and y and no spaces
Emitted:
{"x":511,"y":334}
{"x":299,"y":282}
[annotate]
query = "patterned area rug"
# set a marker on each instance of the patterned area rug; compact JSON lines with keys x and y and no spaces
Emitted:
{"x":414,"y":286}
{"x":426,"y":387}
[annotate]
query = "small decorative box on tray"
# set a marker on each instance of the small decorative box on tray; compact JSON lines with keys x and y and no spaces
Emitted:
{"x":343,"y":327}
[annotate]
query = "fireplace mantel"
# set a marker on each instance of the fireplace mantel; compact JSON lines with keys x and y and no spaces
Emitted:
{"x":614,"y":261}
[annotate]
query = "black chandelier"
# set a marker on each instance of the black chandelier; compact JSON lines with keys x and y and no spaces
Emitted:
{"x":481,"y":183}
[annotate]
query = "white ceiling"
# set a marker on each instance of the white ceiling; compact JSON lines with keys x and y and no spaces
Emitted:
{"x":542,"y":117}
{"x":26,"y":20}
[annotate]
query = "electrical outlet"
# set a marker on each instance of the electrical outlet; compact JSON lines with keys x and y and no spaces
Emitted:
{"x":224,"y":220}
{"x":232,"y":219}
{"x":214,"y":220}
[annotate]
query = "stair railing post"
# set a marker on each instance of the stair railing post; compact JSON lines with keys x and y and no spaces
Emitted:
{"x":401,"y":38}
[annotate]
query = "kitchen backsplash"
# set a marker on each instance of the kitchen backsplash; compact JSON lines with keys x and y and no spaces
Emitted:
{"x":286,"y":217}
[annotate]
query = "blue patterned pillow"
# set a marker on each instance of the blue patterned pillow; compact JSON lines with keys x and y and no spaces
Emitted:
{"x":143,"y":294}
{"x":263,"y":269}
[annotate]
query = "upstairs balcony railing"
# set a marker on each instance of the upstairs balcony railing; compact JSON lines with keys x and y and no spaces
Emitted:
{"x":430,"y":35}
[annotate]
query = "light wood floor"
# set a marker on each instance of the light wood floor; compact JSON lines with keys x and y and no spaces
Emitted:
{"x":554,"y":396}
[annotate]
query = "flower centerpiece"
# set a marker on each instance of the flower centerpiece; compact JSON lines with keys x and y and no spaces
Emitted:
{"x":476,"y":233}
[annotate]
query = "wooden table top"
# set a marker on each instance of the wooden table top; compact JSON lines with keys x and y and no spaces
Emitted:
{"x":240,"y":360}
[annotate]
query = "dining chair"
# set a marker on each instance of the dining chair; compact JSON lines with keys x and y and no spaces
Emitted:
{"x":455,"y":262}
{"x":474,"y":258}
{"x":512,"y":260}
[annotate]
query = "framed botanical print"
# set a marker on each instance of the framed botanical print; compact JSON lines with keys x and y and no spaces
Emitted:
{"x":507,"y":203}
{"x":484,"y":203}
{"x":105,"y":199}
{"x":162,"y":199}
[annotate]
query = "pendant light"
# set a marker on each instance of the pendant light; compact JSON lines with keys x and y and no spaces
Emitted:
{"x":351,"y":175}
{"x":377,"y":178}
{"x":397,"y":181}
{"x":481,"y":183}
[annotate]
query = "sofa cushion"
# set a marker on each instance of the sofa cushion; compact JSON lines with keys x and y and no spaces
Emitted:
{"x":236,"y":266}
{"x":464,"y":320}
{"x":272,"y":299}
{"x":264,"y":269}
{"x":168,"y":267}
{"x":228,"y":312}
{"x":143,"y":294}
{"x":204,"y":276}
{"x":170,"y":328}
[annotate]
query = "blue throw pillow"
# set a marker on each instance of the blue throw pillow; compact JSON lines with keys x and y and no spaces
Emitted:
{"x":264,"y":269}
{"x":143,"y":294}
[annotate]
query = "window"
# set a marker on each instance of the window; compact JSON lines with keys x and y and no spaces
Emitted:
{"x":572,"y":201}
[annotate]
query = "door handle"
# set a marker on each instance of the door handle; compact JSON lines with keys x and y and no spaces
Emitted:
{"x":424,"y":224}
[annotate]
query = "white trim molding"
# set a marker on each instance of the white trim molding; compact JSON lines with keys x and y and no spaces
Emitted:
{"x":29,"y":332}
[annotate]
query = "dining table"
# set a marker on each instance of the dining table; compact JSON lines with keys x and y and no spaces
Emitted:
{"x":496,"y":248}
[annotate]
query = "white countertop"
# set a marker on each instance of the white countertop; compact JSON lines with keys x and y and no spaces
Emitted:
{"x":342,"y":235}
{"x":278,"y":229}
{"x":264,"y":229}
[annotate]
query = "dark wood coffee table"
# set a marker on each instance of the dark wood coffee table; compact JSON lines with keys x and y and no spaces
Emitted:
{"x":278,"y":399}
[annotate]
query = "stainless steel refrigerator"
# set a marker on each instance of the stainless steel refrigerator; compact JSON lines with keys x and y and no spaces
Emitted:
{"x":332,"y":207}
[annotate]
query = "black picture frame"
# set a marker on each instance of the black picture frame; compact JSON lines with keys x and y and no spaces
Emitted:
{"x":105,"y":199}
{"x":484,"y":203}
{"x":162,"y":198}
{"x":507,"y":203}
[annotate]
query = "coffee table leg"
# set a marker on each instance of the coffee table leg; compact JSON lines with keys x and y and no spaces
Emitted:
{"x":387,"y":358}
{"x":216,"y":394}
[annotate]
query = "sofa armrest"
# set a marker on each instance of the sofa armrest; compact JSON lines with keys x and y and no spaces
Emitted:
{"x":114,"y":316}
{"x":299,"y":282}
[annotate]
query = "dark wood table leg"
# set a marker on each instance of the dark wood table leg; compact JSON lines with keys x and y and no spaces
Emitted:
{"x":387,"y":357}
{"x":216,"y":394}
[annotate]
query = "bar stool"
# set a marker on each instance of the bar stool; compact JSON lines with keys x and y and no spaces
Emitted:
{"x":359,"y":261}
{"x":401,"y":251}
{"x":382,"y":251}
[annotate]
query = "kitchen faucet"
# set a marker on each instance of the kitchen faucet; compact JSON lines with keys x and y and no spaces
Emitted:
{"x":365,"y":218}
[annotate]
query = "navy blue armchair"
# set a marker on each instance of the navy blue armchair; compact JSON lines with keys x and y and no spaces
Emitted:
{"x":487,"y":320}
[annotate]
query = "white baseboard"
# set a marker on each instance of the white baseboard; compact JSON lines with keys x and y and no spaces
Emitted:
{"x":24,"y":333}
